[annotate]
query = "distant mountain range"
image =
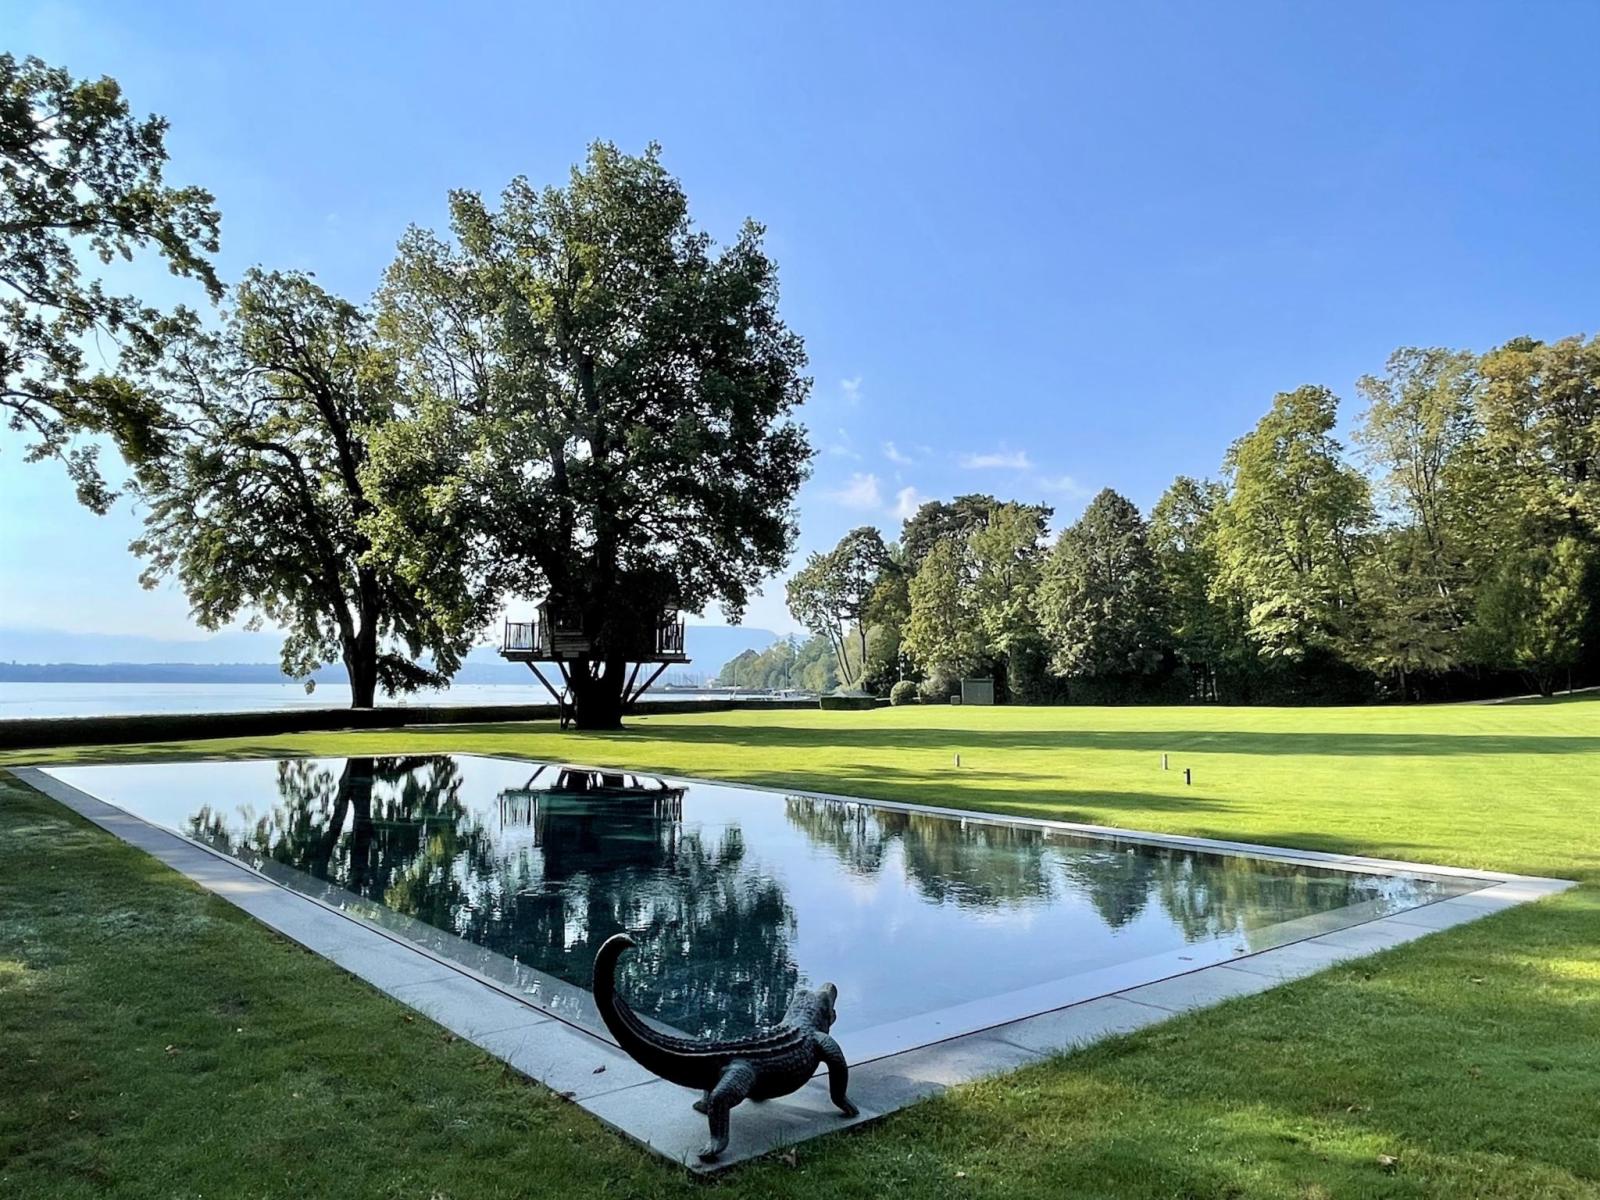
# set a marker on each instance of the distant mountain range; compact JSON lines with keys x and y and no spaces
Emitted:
{"x":57,"y":656}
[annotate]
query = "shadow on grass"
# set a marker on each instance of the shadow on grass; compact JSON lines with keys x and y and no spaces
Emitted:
{"x":948,"y":741}
{"x":1455,"y":1066}
{"x":841,"y":739}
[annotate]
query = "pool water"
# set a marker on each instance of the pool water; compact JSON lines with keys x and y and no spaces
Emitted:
{"x":931,"y":924}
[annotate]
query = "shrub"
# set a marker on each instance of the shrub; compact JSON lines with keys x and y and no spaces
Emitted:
{"x":847,"y":700}
{"x":904,"y":692}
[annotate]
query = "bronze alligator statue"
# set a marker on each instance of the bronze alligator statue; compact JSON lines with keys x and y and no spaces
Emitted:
{"x":768,"y":1064}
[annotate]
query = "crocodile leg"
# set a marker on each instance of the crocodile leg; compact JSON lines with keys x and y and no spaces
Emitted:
{"x":838,"y":1074}
{"x":703,"y":1105}
{"x":737,"y":1080}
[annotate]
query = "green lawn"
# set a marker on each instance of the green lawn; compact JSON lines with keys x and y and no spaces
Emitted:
{"x":153,"y":1042}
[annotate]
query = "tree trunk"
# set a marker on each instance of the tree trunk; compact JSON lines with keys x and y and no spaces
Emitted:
{"x":597,"y":698}
{"x":363,"y":672}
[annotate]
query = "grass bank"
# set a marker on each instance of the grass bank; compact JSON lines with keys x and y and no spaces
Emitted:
{"x":154,"y":1042}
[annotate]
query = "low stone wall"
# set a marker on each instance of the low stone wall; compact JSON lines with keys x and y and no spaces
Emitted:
{"x":30,"y":733}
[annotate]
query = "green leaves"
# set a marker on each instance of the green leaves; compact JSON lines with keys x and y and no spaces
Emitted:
{"x":1533,"y":610}
{"x":1100,"y":604}
{"x":834,"y":594}
{"x":942,"y":632}
{"x":600,"y":405}
{"x":80,"y":174}
{"x":1287,"y":537}
{"x":255,"y":491}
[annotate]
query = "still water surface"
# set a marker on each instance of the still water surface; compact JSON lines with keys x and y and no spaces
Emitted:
{"x":736,"y":896}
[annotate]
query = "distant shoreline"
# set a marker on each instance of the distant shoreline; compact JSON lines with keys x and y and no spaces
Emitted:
{"x":482,"y":674}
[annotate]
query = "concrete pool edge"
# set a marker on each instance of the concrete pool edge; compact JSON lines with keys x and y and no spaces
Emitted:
{"x":599,"y":1078}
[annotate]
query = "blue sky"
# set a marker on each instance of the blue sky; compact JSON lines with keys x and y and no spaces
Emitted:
{"x":1033,"y":250}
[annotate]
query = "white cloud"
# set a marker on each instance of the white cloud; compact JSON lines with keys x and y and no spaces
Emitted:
{"x":1000,"y":460}
{"x":861,"y":492}
{"x":842,"y":447}
{"x":1064,"y":484}
{"x":851,"y":388}
{"x":895,"y":455}
{"x":906,"y":502}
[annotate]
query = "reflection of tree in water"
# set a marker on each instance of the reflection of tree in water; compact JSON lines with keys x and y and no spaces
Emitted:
{"x":982,"y":865}
{"x":1118,"y":879}
{"x":1208,"y":895}
{"x":970,"y":863}
{"x":852,"y":832}
{"x":393,"y":830}
{"x":714,"y":934}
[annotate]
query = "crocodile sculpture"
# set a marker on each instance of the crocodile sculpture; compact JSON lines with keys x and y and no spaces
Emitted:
{"x":768,"y":1064}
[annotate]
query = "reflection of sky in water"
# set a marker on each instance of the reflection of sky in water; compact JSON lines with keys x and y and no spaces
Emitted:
{"x":734,"y":895}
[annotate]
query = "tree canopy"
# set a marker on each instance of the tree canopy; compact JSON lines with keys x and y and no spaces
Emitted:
{"x":83,"y":178}
{"x":255,"y":495}
{"x":942,"y":631}
{"x":602,"y":412}
{"x":1287,"y":537}
{"x":1099,"y":602}
{"x":833,"y":593}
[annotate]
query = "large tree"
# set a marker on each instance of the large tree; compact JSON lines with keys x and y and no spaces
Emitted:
{"x":1406,"y":623}
{"x":1207,"y":629}
{"x":82,"y":181}
{"x":1099,"y":600}
{"x":942,"y":632}
{"x":1289,"y":533}
{"x":1418,"y":433}
{"x":255,"y":496}
{"x":604,"y":416}
{"x":1005,"y":555}
{"x":1421,"y":436}
{"x":1533,"y":609}
{"x":1539,"y":405}
{"x":832,"y":596}
{"x":936,"y":520}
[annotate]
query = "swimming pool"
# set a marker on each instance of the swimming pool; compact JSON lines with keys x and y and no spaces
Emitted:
{"x":931,"y":923}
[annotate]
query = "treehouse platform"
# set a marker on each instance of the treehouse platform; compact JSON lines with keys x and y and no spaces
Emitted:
{"x":557,"y":636}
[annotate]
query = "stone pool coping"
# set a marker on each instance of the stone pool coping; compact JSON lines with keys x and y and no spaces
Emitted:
{"x":588,"y":1070}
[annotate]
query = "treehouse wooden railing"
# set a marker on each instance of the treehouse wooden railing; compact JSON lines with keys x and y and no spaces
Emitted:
{"x":533,"y":638}
{"x":522,"y":637}
{"x":669,"y":637}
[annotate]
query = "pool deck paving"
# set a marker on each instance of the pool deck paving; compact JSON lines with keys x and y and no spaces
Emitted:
{"x":588,"y":1070}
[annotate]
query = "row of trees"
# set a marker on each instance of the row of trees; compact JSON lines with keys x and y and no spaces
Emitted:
{"x":1459,"y":547}
{"x":576,"y":394}
{"x":807,"y":664}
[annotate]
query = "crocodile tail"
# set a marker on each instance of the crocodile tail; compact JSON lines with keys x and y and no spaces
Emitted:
{"x":636,"y":1038}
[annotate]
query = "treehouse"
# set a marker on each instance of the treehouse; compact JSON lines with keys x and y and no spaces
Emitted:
{"x":559,"y":634}
{"x":591,"y":822}
{"x":586,"y":789}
